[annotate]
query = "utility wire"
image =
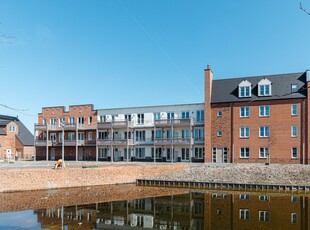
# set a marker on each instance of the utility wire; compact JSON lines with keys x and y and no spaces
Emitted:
{"x":160,"y":47}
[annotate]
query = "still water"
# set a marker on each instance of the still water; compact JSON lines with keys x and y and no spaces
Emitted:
{"x":133,"y":207}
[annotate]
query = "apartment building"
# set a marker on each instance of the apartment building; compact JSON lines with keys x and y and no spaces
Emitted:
{"x":259,"y":119}
{"x":171,"y":133}
{"x":71,"y":132}
{"x":16,"y":141}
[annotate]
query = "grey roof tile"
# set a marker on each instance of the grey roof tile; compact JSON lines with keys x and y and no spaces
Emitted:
{"x":226,"y":90}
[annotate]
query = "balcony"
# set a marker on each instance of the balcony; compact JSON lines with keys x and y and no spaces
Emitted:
{"x":116,"y":141}
{"x":174,"y":141}
{"x":199,"y":140}
{"x":70,"y":126}
{"x":40,"y":127}
{"x":174,"y":122}
{"x":70,"y":142}
{"x":42,"y":143}
{"x":87,"y":126}
{"x":86,"y":142}
{"x":114,"y":124}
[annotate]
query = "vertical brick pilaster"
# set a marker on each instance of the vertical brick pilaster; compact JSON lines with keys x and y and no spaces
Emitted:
{"x":208,"y":76}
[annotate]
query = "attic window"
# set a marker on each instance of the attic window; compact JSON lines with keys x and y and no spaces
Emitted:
{"x":12,"y":128}
{"x":264,"y":87}
{"x":294,"y":88}
{"x":245,"y":89}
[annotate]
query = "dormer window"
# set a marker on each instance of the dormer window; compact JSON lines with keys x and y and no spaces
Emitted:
{"x":245,"y":89}
{"x":264,"y":87}
{"x":294,"y":88}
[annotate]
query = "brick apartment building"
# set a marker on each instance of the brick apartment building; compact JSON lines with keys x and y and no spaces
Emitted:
{"x":257,"y":119}
{"x":77,"y":126}
{"x":261,"y":119}
{"x":15,"y":139}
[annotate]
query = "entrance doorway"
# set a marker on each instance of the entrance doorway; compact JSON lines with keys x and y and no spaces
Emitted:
{"x":219,"y":155}
{"x":81,"y":154}
{"x":53,"y":154}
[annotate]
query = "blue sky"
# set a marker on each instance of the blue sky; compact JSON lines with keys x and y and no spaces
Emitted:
{"x":122,"y":53}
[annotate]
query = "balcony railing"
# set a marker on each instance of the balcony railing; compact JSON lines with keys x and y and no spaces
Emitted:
{"x":174,"y":141}
{"x":40,"y":127}
{"x":87,"y":126}
{"x":70,"y":142}
{"x":174,"y":122}
{"x":115,"y":141}
{"x":114,"y":124}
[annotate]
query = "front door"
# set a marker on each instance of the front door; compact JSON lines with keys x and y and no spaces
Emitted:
{"x":185,"y":154}
{"x":81,"y":153}
{"x":53,"y":154}
{"x":219,"y":155}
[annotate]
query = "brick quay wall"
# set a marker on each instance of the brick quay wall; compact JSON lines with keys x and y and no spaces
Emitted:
{"x":38,"y":199}
{"x":23,"y":179}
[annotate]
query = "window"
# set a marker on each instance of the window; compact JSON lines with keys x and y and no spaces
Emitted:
{"x":170,"y":115}
{"x":12,"y":128}
{"x":294,"y":131}
{"x":44,"y":121}
{"x":264,"y":131}
{"x":71,"y":136}
{"x":60,"y":137}
{"x":71,"y":120}
{"x":264,"y":216}
{"x":156,"y":116}
{"x":185,"y":154}
{"x":219,"y":113}
{"x":141,"y":118}
{"x":244,"y":214}
{"x":264,"y":111}
{"x":81,"y":120}
{"x":90,"y":120}
{"x":263,"y":198}
{"x":294,"y":152}
{"x":127,"y":117}
{"x":244,"y":196}
{"x":244,"y":111}
{"x":185,"y":133}
{"x":245,"y":89}
{"x":185,"y":115}
{"x":140,"y":135}
{"x":102,"y":152}
{"x":53,"y":121}
{"x":159,"y":133}
{"x":90,"y":136}
{"x":294,"y":88}
{"x":53,"y":137}
{"x":294,"y":109}
{"x":264,"y":87}
{"x":263,"y":152}
{"x":199,"y":134}
{"x":103,"y":118}
{"x":219,"y":133}
{"x":80,"y":136}
{"x":244,"y":132}
{"x":294,"y":199}
{"x":200,"y":115}
{"x":199,"y":153}
{"x":294,"y":218}
{"x":61,"y":121}
{"x":103,"y":135}
{"x":244,"y":152}
{"x":140,"y":153}
{"x":158,"y":153}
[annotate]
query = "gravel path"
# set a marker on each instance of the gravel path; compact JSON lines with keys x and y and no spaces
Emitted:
{"x":275,"y":174}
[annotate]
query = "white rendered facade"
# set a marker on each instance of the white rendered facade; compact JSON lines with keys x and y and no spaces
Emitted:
{"x":172,"y":133}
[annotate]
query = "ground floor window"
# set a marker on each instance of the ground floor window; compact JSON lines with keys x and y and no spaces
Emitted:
{"x":264,"y":216}
{"x":185,"y":154}
{"x":140,"y":153}
{"x":294,"y":218}
{"x":263,"y":152}
{"x":102,"y":152}
{"x":244,"y":152}
{"x":199,"y":152}
{"x":244,"y":214}
{"x":294,"y":152}
{"x":170,"y":154}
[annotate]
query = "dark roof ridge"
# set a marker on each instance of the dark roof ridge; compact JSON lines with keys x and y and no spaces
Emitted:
{"x":259,"y":76}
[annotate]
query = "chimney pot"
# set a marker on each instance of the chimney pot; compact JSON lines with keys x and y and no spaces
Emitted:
{"x":208,"y":66}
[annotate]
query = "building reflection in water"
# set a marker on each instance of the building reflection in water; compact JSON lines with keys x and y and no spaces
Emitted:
{"x":194,"y":210}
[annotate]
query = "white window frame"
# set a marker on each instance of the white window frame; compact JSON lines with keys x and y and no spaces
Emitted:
{"x":264,"y":216}
{"x":263,"y":198}
{"x":185,"y":114}
{"x":200,"y":115}
{"x":12,"y":128}
{"x":140,"y":118}
{"x":81,"y":136}
{"x":294,"y":88}
{"x":219,"y":113}
{"x":71,"y":120}
{"x":90,"y":136}
{"x":263,"y":111}
{"x":294,"y":131}
{"x":294,"y":218}
{"x":244,"y":214}
{"x":140,"y":153}
{"x":53,"y":121}
{"x":199,"y":152}
{"x":156,"y":116}
{"x":244,"y":196}
{"x":265,"y":152}
{"x":199,"y":133}
{"x":61,"y":121}
{"x":220,"y":133}
{"x":266,"y":131}
{"x":244,"y":132}
{"x":244,"y":111}
{"x":244,"y":153}
{"x":294,"y":110}
{"x":264,"y":89}
{"x":90,"y":120}
{"x":293,"y":153}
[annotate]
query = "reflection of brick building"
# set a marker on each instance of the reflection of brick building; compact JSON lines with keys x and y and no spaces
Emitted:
{"x":195,"y":210}
{"x":15,"y":139}
{"x":78,"y":125}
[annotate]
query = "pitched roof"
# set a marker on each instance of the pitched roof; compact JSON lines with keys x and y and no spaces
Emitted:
{"x":24,"y":135}
{"x":226,"y":90}
{"x":2,"y":132}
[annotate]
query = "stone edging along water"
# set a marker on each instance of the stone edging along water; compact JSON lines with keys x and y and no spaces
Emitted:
{"x":236,"y":176}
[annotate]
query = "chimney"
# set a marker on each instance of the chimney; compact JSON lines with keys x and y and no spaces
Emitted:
{"x":208,"y":84}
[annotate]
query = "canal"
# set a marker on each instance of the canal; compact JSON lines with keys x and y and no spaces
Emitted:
{"x":134,"y":207}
